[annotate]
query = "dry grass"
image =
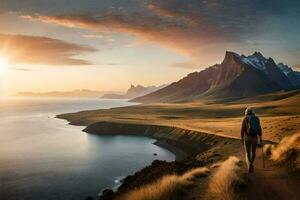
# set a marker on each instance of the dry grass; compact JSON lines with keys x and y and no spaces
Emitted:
{"x":287,"y":151}
{"x":216,"y":165}
{"x":195,"y":173}
{"x":168,"y":187}
{"x":286,"y":144}
{"x":222,"y":185}
{"x":268,"y":148}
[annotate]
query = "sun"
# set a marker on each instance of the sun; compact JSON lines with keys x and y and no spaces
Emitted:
{"x":3,"y":65}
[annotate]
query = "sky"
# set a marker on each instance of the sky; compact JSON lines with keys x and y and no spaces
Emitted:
{"x":107,"y":45}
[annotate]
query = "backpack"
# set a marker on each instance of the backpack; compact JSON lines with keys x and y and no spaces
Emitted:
{"x":253,"y":126}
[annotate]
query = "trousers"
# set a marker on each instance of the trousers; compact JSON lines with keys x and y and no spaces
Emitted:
{"x":250,"y":145}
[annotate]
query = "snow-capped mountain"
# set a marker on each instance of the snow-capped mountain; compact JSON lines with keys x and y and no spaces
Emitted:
{"x":287,"y":79}
{"x":292,"y":75}
{"x":237,"y":76}
{"x":285,"y":68}
{"x":256,"y":60}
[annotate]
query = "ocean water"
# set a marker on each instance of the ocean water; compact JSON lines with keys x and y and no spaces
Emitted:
{"x":44,"y":158}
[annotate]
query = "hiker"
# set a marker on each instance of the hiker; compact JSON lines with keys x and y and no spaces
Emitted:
{"x":250,"y":130}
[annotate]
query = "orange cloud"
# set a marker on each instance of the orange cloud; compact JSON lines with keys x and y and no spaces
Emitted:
{"x":193,"y":28}
{"x":24,"y":49}
{"x":184,"y":38}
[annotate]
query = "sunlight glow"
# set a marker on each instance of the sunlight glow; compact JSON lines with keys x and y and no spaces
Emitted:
{"x":3,"y":65}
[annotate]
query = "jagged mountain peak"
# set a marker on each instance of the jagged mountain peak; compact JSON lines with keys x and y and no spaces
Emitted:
{"x":260,"y":62}
{"x":285,"y":68}
{"x":258,"y":55}
{"x":231,"y":56}
{"x":256,"y":60}
{"x":271,"y":61}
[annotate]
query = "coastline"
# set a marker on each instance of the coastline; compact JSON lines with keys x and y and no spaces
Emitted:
{"x":191,"y":148}
{"x":163,"y":135}
{"x":183,"y":143}
{"x":178,"y":152}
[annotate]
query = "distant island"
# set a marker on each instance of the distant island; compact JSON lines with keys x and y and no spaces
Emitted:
{"x":134,"y":92}
{"x":73,"y":93}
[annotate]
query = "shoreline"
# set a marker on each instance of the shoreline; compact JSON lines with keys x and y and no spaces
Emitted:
{"x":179,"y":153}
{"x":183,"y":143}
{"x":179,"y":141}
{"x":191,"y":148}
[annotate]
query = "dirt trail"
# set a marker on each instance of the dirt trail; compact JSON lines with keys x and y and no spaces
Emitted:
{"x":269,"y":183}
{"x":198,"y":191}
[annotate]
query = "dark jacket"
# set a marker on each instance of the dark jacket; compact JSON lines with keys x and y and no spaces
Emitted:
{"x":244,"y":129}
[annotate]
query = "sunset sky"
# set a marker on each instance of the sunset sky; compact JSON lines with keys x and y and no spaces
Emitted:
{"x":63,"y":45}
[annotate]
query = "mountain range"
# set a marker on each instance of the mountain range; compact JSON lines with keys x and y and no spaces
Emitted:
{"x":133,"y":92}
{"x":237,"y":76}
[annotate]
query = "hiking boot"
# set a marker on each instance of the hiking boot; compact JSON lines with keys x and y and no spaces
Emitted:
{"x":251,"y":169}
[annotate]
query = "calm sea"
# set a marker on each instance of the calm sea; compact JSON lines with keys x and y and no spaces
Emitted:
{"x":44,"y":158}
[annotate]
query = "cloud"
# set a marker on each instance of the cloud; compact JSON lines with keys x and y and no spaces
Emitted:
{"x":20,"y":69}
{"x":182,"y":37}
{"x":187,"y":28}
{"x":93,"y":36}
{"x":192,"y":28}
{"x":105,"y":38}
{"x":117,"y":64}
{"x":23,"y":49}
{"x":111,"y":64}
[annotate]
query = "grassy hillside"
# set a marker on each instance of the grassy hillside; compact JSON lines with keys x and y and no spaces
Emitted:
{"x":279,"y":113}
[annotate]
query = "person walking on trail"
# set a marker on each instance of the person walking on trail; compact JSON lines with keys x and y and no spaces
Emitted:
{"x":250,"y":131}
